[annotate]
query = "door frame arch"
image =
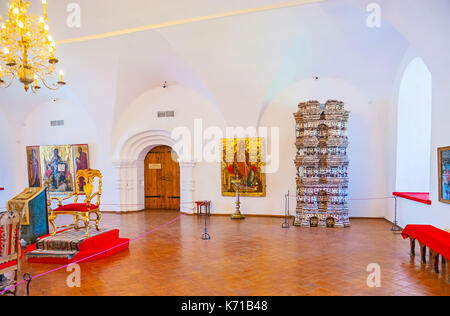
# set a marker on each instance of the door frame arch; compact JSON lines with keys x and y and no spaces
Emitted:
{"x":129,"y":162}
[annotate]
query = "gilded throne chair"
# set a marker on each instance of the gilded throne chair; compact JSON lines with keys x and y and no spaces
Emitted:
{"x":10,"y":250}
{"x":85,"y":186}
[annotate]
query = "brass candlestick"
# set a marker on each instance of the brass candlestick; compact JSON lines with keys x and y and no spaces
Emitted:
{"x":237,"y":214}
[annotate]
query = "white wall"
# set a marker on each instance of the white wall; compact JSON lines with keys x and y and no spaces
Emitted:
{"x":79,"y":128}
{"x":414,"y":129}
{"x":243,"y":70}
{"x":366,"y":151}
{"x":365,"y":130}
{"x":7,"y":162}
{"x":141,"y":116}
{"x":425,"y":25}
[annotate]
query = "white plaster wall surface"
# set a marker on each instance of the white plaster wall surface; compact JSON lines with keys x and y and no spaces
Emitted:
{"x":230,"y":71}
{"x":414,"y":129}
{"x":7,"y":179}
{"x":425,"y":24}
{"x":365,"y":151}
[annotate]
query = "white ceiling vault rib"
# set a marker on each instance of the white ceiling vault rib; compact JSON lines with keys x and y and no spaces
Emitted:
{"x":213,"y":16}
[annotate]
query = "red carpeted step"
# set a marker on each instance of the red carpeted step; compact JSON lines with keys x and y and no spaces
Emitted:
{"x":102,"y":252}
{"x":97,"y":247}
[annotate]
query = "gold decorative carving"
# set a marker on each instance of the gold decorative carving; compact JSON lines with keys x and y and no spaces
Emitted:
{"x":88,"y":178}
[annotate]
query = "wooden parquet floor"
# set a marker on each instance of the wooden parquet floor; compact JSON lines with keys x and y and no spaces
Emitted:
{"x":250,"y":257}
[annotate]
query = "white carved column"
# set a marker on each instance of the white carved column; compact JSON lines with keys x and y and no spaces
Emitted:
{"x":187,"y":184}
{"x":127,"y":186}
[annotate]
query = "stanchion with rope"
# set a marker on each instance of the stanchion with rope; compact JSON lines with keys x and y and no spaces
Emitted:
{"x":286,"y":212}
{"x":28,"y":278}
{"x":206,"y":235}
{"x":395,"y":228}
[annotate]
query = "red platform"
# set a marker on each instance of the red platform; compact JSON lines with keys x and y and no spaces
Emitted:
{"x":414,"y":196}
{"x":93,"y":248}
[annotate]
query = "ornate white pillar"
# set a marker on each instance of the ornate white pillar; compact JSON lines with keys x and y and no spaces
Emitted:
{"x":127,"y":186}
{"x":187,"y":187}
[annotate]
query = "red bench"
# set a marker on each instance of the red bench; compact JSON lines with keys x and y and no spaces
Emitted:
{"x":437,"y":240}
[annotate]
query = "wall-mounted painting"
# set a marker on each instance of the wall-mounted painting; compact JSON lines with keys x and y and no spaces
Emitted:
{"x":57,"y":164}
{"x":444,"y":174}
{"x":34,"y":167}
{"x":57,"y":167}
{"x":81,"y":162}
{"x":243,"y":160}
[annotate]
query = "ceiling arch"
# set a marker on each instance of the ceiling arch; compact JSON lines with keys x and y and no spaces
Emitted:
{"x":238,"y":62}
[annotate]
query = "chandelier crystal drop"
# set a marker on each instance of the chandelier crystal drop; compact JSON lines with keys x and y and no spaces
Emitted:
{"x":27,"y":50}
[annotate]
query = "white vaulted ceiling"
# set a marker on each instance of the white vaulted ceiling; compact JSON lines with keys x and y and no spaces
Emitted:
{"x":238,"y":62}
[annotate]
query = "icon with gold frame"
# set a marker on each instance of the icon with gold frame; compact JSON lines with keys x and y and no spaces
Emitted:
{"x":243,"y":159}
{"x":34,"y":166}
{"x":57,"y":168}
{"x":444,"y":174}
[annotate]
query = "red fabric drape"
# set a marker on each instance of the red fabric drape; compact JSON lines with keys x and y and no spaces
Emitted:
{"x":436,"y":239}
{"x":414,"y":196}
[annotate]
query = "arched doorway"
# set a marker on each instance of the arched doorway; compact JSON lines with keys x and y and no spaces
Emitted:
{"x":162,"y":179}
{"x":129,"y":161}
{"x":414,"y":128}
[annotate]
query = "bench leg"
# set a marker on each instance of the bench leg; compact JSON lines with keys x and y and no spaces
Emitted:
{"x":434,"y":259}
{"x":412,"y":243}
{"x":448,"y":272}
{"x":423,"y":252}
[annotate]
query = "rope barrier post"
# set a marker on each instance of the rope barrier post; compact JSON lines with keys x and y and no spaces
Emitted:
{"x":206,"y":235}
{"x":286,"y":212}
{"x":395,"y":228}
{"x":28,"y":278}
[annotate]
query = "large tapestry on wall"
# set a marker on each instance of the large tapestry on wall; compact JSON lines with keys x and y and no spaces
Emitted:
{"x":58,"y":165}
{"x":444,"y":174}
{"x":243,"y":160}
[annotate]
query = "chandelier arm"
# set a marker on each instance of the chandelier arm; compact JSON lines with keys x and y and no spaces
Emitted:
{"x":53,"y":86}
{"x":44,"y":69}
{"x":7,"y":85}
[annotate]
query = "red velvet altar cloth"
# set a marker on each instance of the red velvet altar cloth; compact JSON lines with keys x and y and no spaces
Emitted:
{"x":434,"y":238}
{"x":418,"y":197}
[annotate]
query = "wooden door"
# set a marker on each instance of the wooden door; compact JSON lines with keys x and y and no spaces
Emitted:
{"x":162,"y":179}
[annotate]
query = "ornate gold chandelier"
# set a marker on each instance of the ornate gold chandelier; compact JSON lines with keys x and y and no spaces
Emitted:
{"x":26,"y":49}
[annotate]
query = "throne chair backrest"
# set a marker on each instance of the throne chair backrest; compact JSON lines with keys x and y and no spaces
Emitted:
{"x":91,"y":188}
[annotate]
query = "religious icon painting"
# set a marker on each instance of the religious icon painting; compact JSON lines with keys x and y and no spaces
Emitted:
{"x":444,"y":174}
{"x":81,"y":162}
{"x":57,"y":168}
{"x":34,"y":167}
{"x":243,"y":161}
